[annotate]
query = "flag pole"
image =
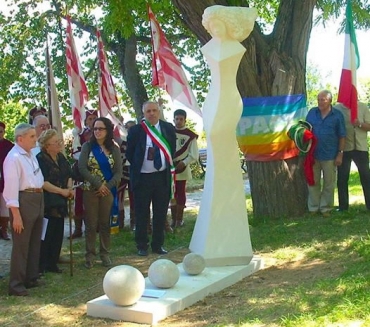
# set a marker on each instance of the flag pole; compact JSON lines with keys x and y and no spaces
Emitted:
{"x":48,"y":88}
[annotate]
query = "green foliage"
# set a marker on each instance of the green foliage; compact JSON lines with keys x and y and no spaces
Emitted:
{"x":314,"y":86}
{"x":12,"y":114}
{"x":30,"y":21}
{"x":196,"y":170}
{"x":24,"y":26}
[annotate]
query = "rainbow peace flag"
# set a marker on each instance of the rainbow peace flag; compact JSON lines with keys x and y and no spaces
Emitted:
{"x":262,"y":129}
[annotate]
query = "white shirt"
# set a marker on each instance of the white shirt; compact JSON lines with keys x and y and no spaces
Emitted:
{"x":148,"y":165}
{"x":36,"y":150}
{"x":21,"y":171}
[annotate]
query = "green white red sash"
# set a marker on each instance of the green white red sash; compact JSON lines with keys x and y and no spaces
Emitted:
{"x":158,"y":139}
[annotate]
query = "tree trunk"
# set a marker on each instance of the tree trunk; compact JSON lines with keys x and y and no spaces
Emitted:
{"x":126,"y":51}
{"x":273,"y":64}
{"x":277,"y":188}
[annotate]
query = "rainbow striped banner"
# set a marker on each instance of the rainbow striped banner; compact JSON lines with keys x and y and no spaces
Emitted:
{"x":262,"y":129}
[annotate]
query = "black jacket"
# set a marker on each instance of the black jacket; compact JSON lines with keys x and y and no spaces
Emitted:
{"x":136,"y":146}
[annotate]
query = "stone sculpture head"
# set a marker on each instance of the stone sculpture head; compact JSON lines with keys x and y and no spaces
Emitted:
{"x":229,"y":23}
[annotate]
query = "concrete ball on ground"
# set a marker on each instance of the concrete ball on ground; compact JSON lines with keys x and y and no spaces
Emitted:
{"x":124,"y":285}
{"x":193,"y":264}
{"x":163,"y":273}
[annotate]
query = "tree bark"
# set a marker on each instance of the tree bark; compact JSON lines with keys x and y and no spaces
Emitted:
{"x":273,"y":64}
{"x":126,"y":51}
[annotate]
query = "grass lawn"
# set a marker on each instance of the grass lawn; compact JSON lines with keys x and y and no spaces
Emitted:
{"x":317,"y":273}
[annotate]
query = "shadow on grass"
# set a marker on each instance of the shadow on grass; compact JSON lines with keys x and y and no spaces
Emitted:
{"x":319,"y":276}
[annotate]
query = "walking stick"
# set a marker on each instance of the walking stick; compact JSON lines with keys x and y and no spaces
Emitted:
{"x":70,"y":236}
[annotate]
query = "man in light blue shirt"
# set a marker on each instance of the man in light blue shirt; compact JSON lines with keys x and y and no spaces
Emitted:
{"x":329,"y":129}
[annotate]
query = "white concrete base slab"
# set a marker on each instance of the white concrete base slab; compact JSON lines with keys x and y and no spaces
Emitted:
{"x":187,"y":291}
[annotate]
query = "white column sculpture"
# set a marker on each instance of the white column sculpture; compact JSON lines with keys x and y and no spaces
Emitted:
{"x":221,"y":233}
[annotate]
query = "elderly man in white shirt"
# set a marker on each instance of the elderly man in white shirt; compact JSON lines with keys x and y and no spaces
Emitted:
{"x":24,"y":198}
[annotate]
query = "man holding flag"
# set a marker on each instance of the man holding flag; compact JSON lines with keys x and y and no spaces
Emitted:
{"x":151,"y":146}
{"x":357,"y":119}
{"x":356,"y":150}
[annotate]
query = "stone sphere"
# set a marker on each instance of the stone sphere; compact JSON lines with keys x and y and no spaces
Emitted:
{"x":163,"y":273}
{"x":193,"y":264}
{"x":124,"y":285}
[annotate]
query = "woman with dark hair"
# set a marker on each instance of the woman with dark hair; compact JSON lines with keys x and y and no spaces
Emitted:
{"x":100,"y":165}
{"x":57,"y":189}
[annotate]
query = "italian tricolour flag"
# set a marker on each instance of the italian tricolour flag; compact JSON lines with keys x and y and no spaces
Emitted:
{"x":347,"y":94}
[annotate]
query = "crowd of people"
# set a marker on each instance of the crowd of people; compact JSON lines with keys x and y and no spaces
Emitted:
{"x":37,"y":181}
{"x":153,"y":164}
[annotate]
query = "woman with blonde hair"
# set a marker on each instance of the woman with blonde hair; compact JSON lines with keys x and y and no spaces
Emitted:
{"x":57,"y":189}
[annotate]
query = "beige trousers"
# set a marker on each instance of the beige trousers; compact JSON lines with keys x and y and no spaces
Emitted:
{"x":321,"y":195}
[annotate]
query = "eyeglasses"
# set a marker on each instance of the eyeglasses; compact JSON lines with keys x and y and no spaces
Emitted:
{"x":44,"y":126}
{"x":99,"y":129}
{"x":56,"y":143}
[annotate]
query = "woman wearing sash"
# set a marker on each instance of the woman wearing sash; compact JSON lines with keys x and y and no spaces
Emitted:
{"x":100,"y":165}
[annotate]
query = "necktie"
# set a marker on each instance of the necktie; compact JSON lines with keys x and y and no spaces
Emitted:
{"x":157,"y":158}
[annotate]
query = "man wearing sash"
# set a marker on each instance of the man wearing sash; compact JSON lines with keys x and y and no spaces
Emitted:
{"x":151,"y":146}
{"x":186,"y":153}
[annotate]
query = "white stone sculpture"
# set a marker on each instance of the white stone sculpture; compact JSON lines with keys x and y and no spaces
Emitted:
{"x":221,"y":234}
{"x":163,"y":273}
{"x":193,"y":264}
{"x":124,"y":285}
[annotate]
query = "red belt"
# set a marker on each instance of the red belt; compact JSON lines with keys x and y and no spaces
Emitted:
{"x":33,"y":190}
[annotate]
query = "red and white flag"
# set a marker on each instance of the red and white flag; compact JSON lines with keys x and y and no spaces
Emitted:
{"x":347,"y":94}
{"x":76,"y":81}
{"x":167,"y":71}
{"x":107,"y":92}
{"x":52,"y":95}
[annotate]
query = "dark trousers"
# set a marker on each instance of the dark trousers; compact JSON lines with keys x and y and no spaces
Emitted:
{"x":361,"y":159}
{"x":52,"y":244}
{"x":24,"y":263}
{"x":151,"y":189}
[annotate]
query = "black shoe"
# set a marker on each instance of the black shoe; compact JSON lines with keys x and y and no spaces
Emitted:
{"x":106,"y":262}
{"x":88,"y":264}
{"x":56,"y":270}
{"x":160,"y":251}
{"x":34,"y":283}
{"x":142,"y":253}
{"x":20,"y":293}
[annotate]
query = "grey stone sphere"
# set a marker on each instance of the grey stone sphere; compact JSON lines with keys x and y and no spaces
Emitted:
{"x":193,"y":264}
{"x":163,"y":273}
{"x":124,"y":285}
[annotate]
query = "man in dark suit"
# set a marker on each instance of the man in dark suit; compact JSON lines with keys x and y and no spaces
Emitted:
{"x":151,"y":146}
